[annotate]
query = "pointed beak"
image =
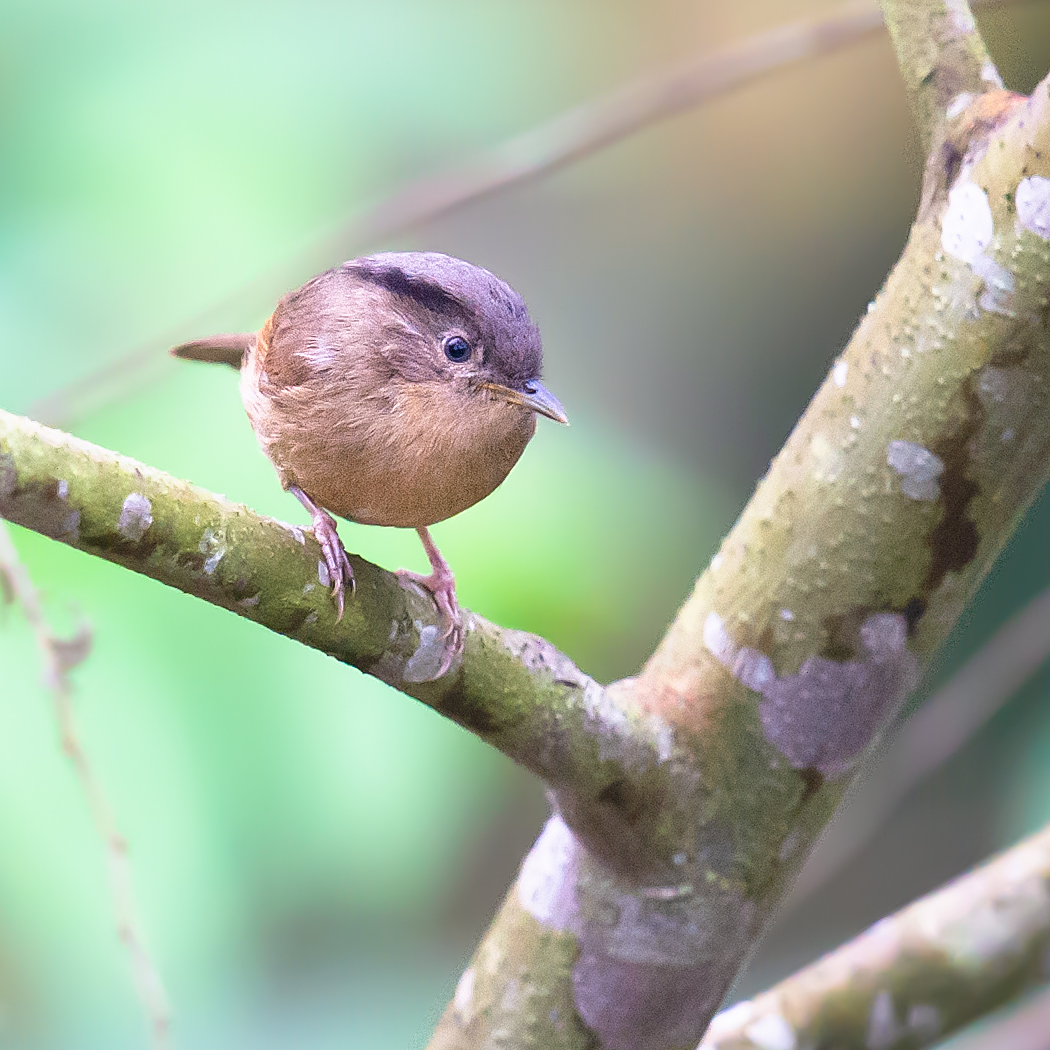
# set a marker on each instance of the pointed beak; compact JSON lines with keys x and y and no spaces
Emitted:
{"x":533,"y":395}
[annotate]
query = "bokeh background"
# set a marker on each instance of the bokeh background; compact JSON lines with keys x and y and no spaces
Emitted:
{"x":314,"y":854}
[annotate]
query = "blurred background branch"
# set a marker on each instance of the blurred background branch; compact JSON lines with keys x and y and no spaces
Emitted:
{"x":565,"y":139}
{"x":60,"y":656}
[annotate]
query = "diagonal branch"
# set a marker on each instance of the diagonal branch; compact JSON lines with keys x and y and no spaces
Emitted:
{"x":919,"y":975}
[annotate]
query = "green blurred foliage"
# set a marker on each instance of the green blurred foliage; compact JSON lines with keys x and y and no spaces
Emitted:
{"x":313,"y":853}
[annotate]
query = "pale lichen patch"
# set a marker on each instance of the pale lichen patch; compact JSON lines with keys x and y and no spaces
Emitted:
{"x":828,"y":459}
{"x":545,"y":881}
{"x":823,"y":716}
{"x":919,"y":469}
{"x":727,"y":1023}
{"x":136,"y":516}
{"x":296,"y":532}
{"x":990,"y":75}
{"x":424,"y":664}
{"x":840,"y":373}
{"x":213,"y":546}
{"x":958,"y":104}
{"x":464,"y":997}
{"x":826,"y":714}
{"x":961,"y":18}
{"x":967,"y":228}
{"x":924,"y":1019}
{"x":753,"y":669}
{"x":647,"y":954}
{"x":772,"y":1032}
{"x":883,"y":1028}
{"x":663,"y":735}
{"x":1032,"y":201}
{"x":967,"y":232}
{"x":717,"y":640}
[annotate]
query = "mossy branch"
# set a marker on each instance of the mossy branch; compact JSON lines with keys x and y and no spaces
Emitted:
{"x":512,"y":689}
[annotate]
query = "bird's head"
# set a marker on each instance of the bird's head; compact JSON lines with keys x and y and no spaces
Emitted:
{"x":461,"y":326}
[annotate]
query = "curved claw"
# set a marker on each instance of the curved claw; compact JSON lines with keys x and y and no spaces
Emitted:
{"x":340,"y":571}
{"x":442,"y":586}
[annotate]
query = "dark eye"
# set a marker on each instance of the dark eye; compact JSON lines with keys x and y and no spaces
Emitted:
{"x":457,"y":348}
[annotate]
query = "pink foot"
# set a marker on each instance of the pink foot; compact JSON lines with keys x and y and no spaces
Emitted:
{"x":442,"y":585}
{"x":340,"y":571}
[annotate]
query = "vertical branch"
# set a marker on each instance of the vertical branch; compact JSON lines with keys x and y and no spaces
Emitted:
{"x":60,"y":656}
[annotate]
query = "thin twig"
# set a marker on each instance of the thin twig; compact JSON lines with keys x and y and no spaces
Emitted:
{"x":931,"y":736}
{"x":60,"y":656}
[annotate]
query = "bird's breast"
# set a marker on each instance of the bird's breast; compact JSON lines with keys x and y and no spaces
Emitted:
{"x":419,"y":454}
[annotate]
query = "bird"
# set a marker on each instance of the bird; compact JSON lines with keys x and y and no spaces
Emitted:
{"x":397,"y":389}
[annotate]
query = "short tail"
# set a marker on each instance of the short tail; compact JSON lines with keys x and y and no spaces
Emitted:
{"x":219,"y":349}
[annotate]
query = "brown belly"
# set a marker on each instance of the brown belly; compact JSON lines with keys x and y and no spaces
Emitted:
{"x":402,"y":489}
{"x":424,"y":460}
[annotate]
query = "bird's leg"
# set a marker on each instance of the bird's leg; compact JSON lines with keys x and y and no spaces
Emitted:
{"x":340,"y":571}
{"x":442,"y":585}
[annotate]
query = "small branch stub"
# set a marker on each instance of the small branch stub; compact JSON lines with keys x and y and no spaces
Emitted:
{"x":942,"y":58}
